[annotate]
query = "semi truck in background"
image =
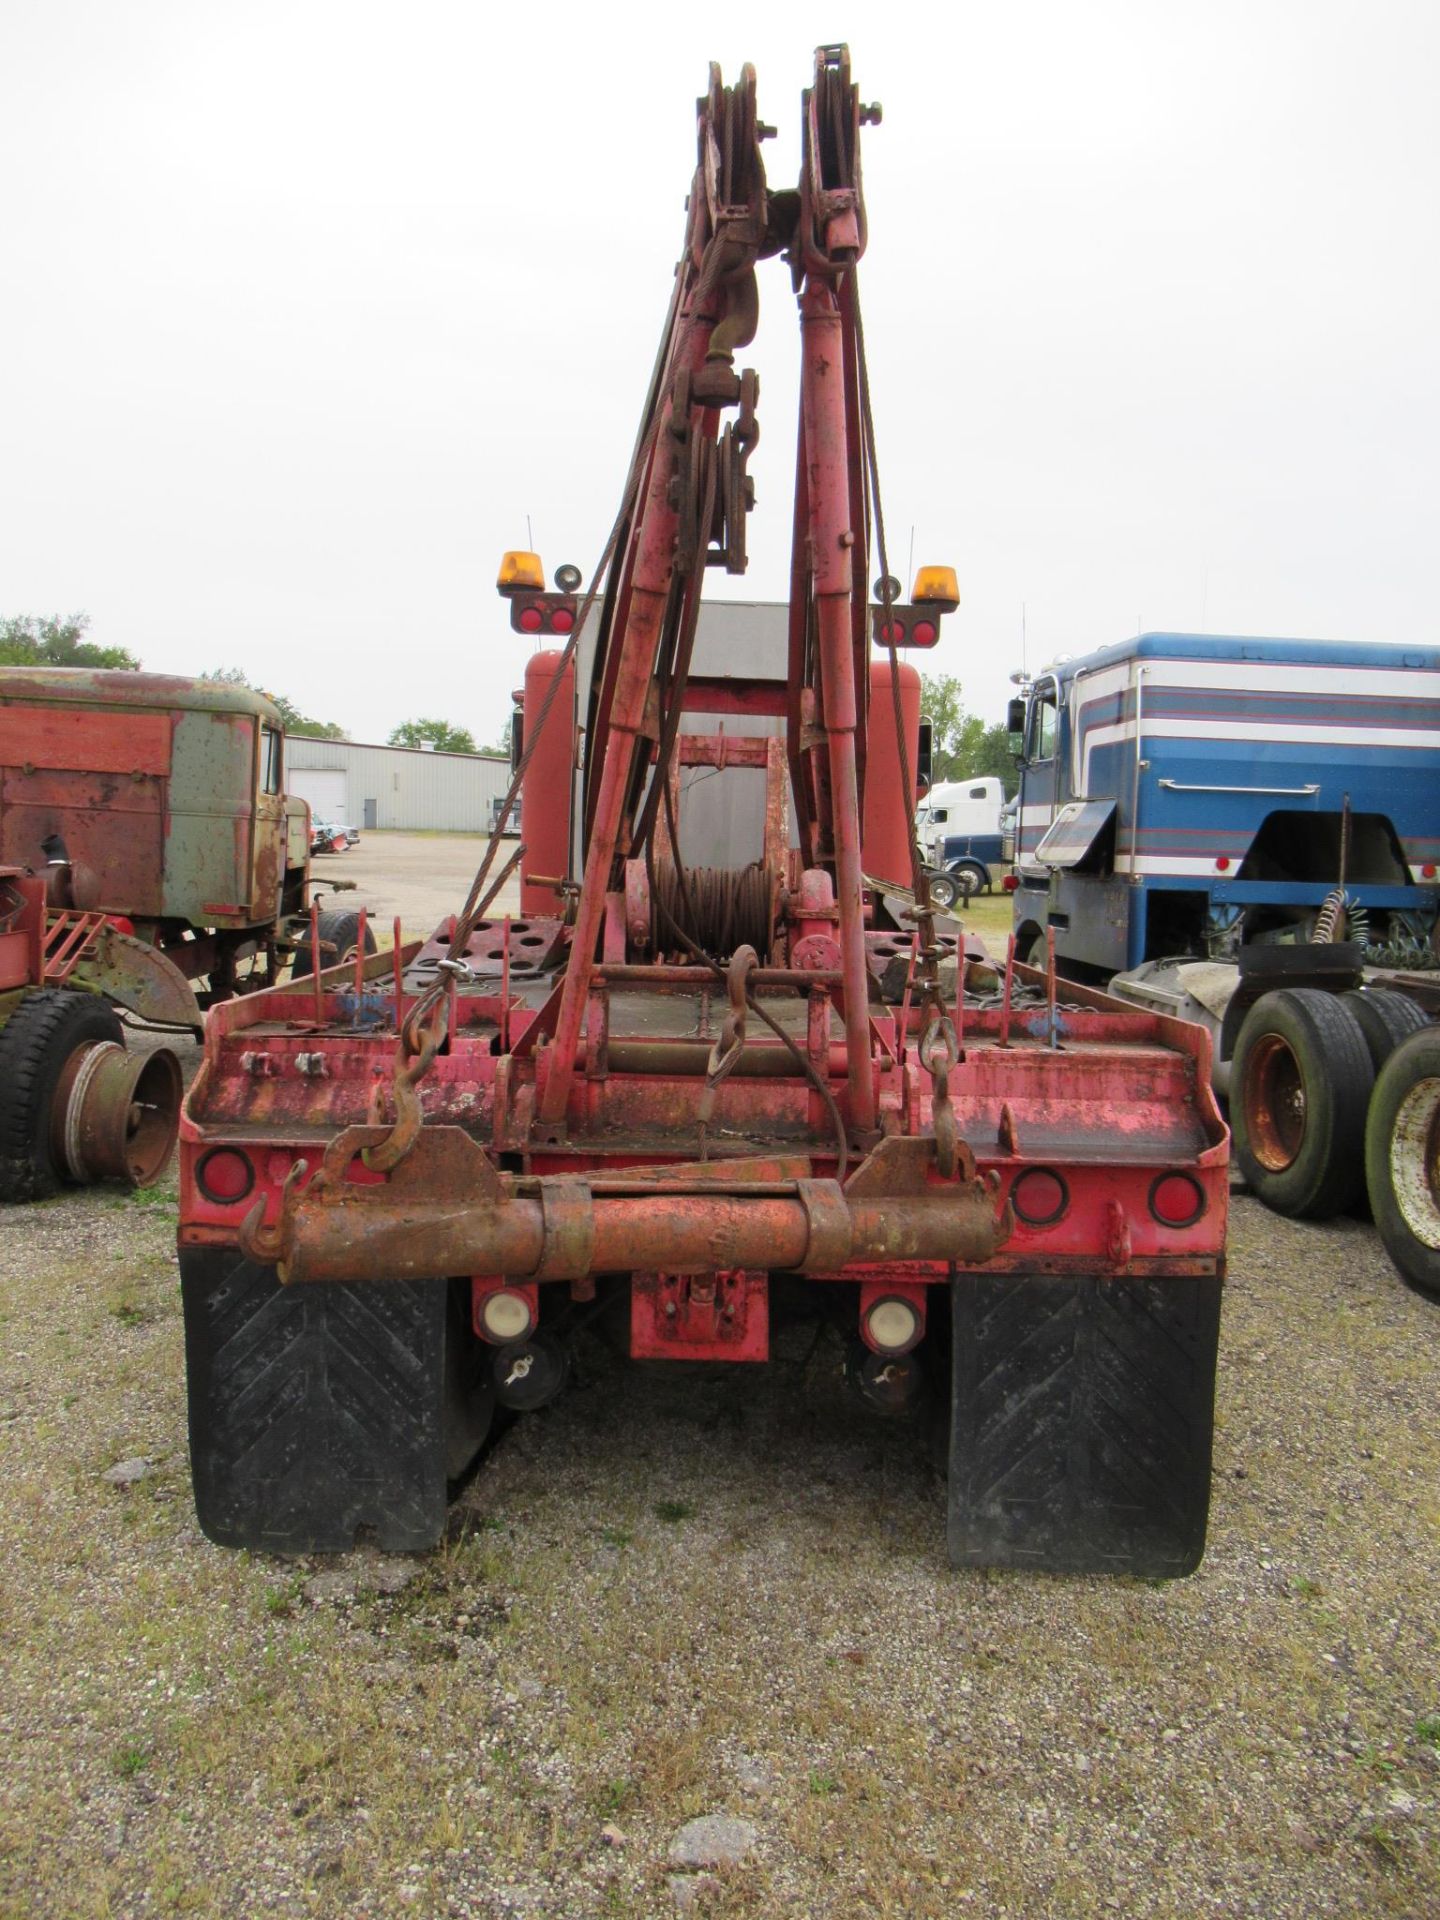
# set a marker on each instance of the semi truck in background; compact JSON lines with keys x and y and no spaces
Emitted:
{"x":1246,"y":833}
{"x":959,"y":827}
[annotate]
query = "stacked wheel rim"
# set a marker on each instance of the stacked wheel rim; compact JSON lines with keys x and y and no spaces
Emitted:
{"x":1402,"y":1159}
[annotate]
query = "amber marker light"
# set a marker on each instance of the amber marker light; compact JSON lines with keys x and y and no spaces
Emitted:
{"x":521,"y":573}
{"x":937,"y":587}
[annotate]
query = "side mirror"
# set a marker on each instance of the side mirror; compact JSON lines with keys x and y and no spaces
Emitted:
{"x":1015,"y":717}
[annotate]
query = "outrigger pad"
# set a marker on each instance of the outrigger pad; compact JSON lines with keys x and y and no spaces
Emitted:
{"x":315,"y":1410}
{"x":1082,"y":1415}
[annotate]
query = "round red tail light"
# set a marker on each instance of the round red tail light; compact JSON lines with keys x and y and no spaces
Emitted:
{"x":1222,"y":863}
{"x":924,"y":634}
{"x":1010,"y":882}
{"x":561,"y":620}
{"x":224,"y":1176}
{"x":1176,"y":1200}
{"x":1039,"y":1197}
{"x":530,"y":619}
{"x":1427,"y":872}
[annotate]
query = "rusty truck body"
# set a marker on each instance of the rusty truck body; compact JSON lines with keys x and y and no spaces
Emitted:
{"x":156,"y":803}
{"x":150,"y":861}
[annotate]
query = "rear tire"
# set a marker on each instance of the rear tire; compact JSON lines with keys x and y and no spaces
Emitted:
{"x":971,"y":878}
{"x":339,"y":937}
{"x":1385,"y":1019}
{"x":36,"y":1041}
{"x":320,"y":1411}
{"x":944,"y":891}
{"x":1082,"y":1417}
{"x":1299,"y":1088}
{"x":1402,"y":1135}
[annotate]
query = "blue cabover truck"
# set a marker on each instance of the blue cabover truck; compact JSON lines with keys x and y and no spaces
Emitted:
{"x":1245,"y":832}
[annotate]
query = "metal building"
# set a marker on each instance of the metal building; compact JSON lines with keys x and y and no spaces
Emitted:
{"x":406,"y":787}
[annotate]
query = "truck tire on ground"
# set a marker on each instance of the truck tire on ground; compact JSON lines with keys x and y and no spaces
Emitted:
{"x":35,"y":1043}
{"x":318,"y":1413}
{"x":971,"y":877}
{"x":944,"y":891}
{"x":1401,"y":1137}
{"x":1385,"y":1020}
{"x":1081,"y":1425}
{"x":1299,"y":1087}
{"x":340,"y":930}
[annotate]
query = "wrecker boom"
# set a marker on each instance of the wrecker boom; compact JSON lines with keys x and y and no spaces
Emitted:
{"x":678,"y":1089}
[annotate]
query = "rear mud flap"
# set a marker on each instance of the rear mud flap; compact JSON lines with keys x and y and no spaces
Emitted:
{"x":316,"y":1412}
{"x":1082,"y":1415}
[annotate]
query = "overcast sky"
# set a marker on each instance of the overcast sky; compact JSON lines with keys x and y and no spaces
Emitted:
{"x":305,"y":308}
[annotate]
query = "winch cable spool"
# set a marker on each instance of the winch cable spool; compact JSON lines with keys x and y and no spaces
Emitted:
{"x":802,"y":1060}
{"x":720,"y":908}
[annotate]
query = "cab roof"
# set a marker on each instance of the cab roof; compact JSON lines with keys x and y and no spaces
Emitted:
{"x":1246,"y":647}
{"x":119,"y":687}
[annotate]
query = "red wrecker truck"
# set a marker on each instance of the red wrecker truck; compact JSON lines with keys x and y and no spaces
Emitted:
{"x":696,"y":1094}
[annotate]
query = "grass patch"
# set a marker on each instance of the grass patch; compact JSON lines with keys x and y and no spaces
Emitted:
{"x":130,"y":1758}
{"x":672,"y":1512}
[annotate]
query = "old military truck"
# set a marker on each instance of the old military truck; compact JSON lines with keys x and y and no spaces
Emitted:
{"x":152,"y":861}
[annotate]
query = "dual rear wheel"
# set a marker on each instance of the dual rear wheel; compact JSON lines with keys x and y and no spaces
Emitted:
{"x":1300,"y":1089}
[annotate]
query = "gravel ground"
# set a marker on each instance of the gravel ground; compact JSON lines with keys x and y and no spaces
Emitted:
{"x":679,"y":1594}
{"x":420,"y":876}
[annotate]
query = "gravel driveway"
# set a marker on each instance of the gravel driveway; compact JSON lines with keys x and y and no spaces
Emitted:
{"x":420,"y":876}
{"x":679,"y":1594}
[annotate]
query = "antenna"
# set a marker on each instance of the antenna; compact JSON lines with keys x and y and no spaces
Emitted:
{"x":529,"y":536}
{"x":910,"y":568}
{"x":1024,"y":663}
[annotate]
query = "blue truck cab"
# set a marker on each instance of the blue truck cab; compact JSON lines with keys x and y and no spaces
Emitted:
{"x":1193,"y":794}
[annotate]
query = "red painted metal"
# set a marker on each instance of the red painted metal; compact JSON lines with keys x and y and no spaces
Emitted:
{"x":551,"y":773}
{"x":84,"y":740}
{"x":68,"y":937}
{"x":889,"y":826}
{"x":710,"y":1316}
{"x":22,"y":929}
{"x":830,"y":457}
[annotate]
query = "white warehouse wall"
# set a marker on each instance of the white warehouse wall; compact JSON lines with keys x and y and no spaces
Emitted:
{"x":410,"y":787}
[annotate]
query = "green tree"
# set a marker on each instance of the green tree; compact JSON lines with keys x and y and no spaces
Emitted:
{"x":502,"y":745}
{"x":962,"y":746}
{"x":291,"y":718}
{"x":26,"y":641}
{"x":433,"y":733}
